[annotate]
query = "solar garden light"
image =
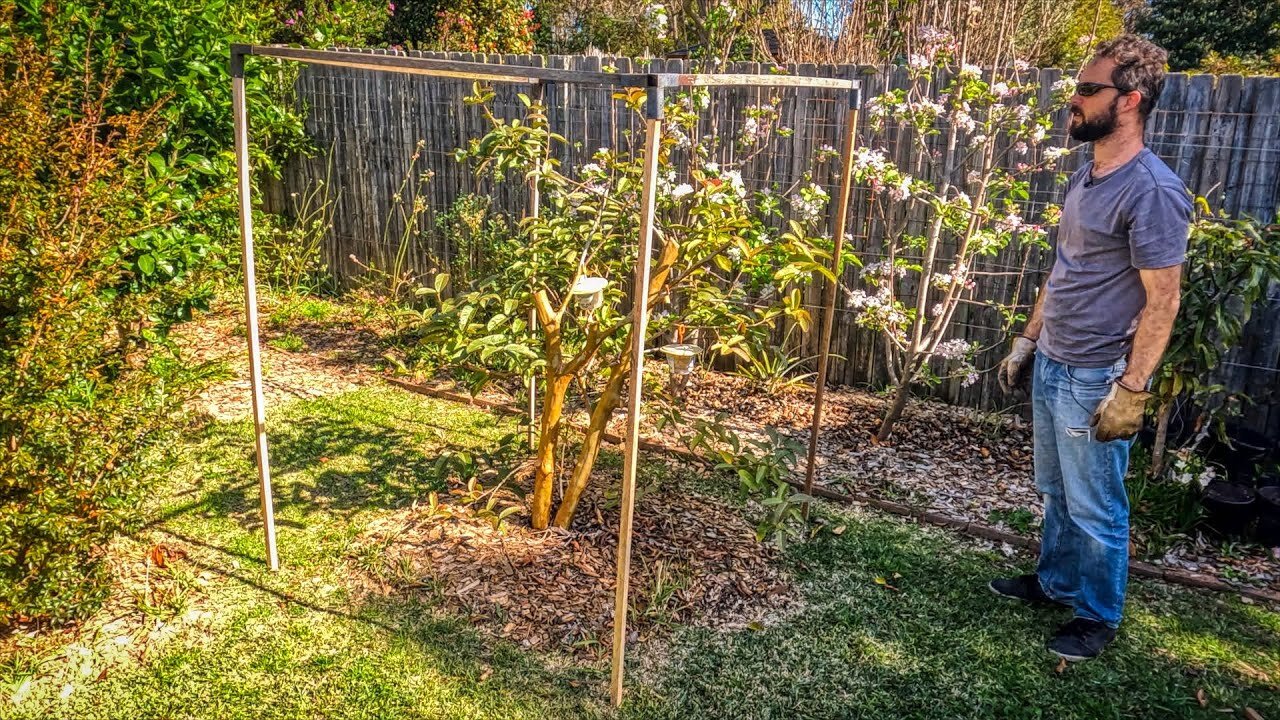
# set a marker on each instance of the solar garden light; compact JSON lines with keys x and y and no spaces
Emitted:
{"x":588,"y":291}
{"x":680,"y":358}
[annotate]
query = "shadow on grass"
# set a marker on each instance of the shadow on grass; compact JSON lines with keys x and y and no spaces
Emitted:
{"x":338,"y":456}
{"x":900,"y":624}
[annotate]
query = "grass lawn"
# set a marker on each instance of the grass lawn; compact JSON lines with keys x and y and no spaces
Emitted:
{"x":229,"y":639}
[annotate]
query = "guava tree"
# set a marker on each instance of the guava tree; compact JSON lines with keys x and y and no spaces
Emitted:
{"x":978,"y":137}
{"x":728,"y":261}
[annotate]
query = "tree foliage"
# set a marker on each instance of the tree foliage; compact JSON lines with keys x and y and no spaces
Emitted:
{"x":728,"y":264}
{"x":93,"y":272}
{"x":1192,"y":29}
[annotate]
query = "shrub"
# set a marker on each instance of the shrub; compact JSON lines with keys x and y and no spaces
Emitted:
{"x":89,"y":387}
{"x":492,"y":26}
{"x":173,"y":56}
{"x":317,"y":23}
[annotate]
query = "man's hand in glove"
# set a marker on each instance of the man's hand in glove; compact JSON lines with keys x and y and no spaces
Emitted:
{"x":1119,"y":415}
{"x":1015,"y":368}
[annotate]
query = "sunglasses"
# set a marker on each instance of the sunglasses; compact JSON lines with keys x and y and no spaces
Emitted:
{"x":1089,"y":89}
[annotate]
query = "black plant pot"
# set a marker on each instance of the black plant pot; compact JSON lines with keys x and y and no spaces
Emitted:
{"x":1268,"y":530}
{"x":1241,"y":458}
{"x":1228,"y":507}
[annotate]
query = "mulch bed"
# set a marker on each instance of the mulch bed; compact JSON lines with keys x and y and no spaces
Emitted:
{"x":968,"y":466}
{"x":695,"y":561}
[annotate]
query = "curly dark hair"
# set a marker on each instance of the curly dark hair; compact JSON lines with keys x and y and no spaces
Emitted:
{"x":1140,"y":66}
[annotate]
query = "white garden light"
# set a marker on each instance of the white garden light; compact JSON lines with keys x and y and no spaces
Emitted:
{"x":680,"y":357}
{"x":588,"y":291}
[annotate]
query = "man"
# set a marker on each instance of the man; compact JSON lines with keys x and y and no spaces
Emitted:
{"x":1096,"y":334}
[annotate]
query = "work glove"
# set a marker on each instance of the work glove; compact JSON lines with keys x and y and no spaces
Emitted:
{"x":1119,"y":415}
{"x":1015,"y":368}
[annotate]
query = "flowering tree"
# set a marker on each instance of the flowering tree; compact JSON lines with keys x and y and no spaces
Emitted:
{"x":955,"y":120}
{"x":717,"y":244}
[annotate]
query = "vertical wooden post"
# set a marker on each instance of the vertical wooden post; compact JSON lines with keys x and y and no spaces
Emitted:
{"x":829,"y":294}
{"x":535,"y":207}
{"x":639,"y":324}
{"x":251,"y":301}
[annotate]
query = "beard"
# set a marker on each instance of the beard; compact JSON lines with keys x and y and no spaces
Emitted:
{"x":1093,"y":129}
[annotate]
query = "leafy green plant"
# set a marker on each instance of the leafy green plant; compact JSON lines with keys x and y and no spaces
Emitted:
{"x":1165,"y":507}
{"x":492,"y":26}
{"x":478,"y":241}
{"x":290,"y":248}
{"x":1019,"y":520}
{"x":773,"y":369}
{"x":344,"y":23}
{"x":91,"y":389}
{"x":1230,"y":264}
{"x":761,"y":466}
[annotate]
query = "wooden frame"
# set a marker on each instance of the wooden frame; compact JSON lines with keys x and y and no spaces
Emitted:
{"x":655,"y":84}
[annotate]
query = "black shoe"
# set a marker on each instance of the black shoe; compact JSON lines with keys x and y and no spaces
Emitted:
{"x":1025,"y":588}
{"x":1081,"y":639}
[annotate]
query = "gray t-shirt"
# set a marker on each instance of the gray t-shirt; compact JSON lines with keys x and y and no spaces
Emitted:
{"x":1136,"y":217}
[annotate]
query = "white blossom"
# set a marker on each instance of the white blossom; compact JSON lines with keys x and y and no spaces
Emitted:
{"x":1053,"y":153}
{"x":1010,"y":223}
{"x":902,"y":190}
{"x":953,"y":349}
{"x":734,"y":178}
{"x":681,"y":190}
{"x":919,"y":62}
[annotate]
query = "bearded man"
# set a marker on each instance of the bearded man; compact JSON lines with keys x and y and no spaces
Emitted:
{"x":1096,"y":334}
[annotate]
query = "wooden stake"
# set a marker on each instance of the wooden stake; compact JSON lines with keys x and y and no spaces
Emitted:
{"x":639,"y":324}
{"x":535,"y":207}
{"x":251,"y":305}
{"x":829,"y":295}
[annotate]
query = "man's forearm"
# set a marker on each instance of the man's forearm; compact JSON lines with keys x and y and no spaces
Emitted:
{"x":1155,"y":325}
{"x":1036,"y":321}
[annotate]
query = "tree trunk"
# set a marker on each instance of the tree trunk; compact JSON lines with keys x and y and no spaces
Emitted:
{"x":1162,"y":438}
{"x":548,"y":438}
{"x":895,"y":411}
{"x":600,"y":415}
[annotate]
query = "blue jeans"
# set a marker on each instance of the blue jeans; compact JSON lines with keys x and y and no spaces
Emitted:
{"x":1084,"y":554}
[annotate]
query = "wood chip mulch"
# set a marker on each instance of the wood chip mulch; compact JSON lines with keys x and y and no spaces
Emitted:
{"x":695,"y":561}
{"x":965,"y":464}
